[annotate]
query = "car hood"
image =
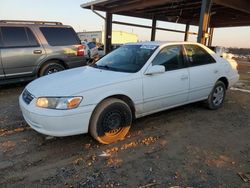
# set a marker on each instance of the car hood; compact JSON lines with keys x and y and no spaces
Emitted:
{"x":74,"y":81}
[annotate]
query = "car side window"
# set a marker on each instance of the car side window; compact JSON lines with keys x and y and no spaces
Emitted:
{"x":17,"y":37}
{"x":170,"y":57}
{"x":198,"y":56}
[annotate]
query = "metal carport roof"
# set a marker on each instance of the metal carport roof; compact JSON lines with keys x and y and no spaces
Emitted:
{"x":203,"y":13}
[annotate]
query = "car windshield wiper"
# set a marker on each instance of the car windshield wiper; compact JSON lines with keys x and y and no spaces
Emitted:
{"x":101,"y":66}
{"x":106,"y":67}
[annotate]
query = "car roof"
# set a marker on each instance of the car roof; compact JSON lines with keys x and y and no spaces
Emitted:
{"x":161,"y":43}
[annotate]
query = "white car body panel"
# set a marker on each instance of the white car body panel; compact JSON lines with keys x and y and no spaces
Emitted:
{"x":145,"y":91}
{"x":156,"y":96}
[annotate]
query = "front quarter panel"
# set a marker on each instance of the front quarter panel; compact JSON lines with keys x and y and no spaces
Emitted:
{"x":131,"y":88}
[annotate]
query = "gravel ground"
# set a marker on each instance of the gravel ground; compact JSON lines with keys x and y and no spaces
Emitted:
{"x":188,"y":146}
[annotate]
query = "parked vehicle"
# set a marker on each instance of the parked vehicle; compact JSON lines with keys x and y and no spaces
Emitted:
{"x":91,"y":50}
{"x":131,"y":82}
{"x":115,"y":46}
{"x":30,"y":49}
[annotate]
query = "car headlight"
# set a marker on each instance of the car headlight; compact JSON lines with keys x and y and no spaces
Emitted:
{"x":60,"y":103}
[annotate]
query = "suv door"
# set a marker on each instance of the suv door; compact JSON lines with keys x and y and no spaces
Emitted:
{"x":1,"y":68}
{"x":203,"y":71}
{"x":1,"y":65}
{"x":21,"y":51}
{"x":168,"y":89}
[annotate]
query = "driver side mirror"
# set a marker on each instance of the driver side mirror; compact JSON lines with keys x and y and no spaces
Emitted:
{"x":156,"y":69}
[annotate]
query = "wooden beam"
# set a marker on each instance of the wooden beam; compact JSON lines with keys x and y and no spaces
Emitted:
{"x":187,"y":32}
{"x":204,"y":19}
{"x":153,"y":29}
{"x":142,"y":4}
{"x":230,"y":24}
{"x":93,"y":3}
{"x":241,"y":5}
{"x":149,"y":27}
{"x":211,"y":35}
{"x":108,"y":33}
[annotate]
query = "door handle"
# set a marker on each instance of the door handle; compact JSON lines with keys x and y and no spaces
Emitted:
{"x":184,"y":77}
{"x":37,"y":51}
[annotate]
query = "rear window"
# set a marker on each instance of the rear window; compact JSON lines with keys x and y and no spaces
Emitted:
{"x":60,"y":36}
{"x":17,"y":37}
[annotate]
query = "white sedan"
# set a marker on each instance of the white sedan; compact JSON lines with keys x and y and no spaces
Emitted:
{"x":131,"y":82}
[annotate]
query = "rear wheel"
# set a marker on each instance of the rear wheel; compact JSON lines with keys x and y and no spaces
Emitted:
{"x":217,"y":96}
{"x":111,"y":121}
{"x":50,"y":68}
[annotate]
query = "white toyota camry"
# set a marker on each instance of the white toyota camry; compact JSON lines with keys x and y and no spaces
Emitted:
{"x":133,"y":81}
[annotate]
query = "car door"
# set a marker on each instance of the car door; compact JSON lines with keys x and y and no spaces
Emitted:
{"x":20,"y":52}
{"x":168,"y":89}
{"x":203,"y":71}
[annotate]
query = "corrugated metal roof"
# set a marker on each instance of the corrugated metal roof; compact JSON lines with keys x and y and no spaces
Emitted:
{"x":225,"y":13}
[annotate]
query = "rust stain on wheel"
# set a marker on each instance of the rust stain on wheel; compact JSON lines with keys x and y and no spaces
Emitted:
{"x":111,"y":121}
{"x":109,"y":137}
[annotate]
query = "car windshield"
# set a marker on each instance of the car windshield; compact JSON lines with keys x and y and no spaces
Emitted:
{"x":128,"y":58}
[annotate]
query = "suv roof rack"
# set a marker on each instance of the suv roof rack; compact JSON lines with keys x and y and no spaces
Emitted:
{"x":31,"y":22}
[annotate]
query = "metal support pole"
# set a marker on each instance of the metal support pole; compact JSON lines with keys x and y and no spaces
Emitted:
{"x":204,"y":20}
{"x":149,"y":27}
{"x":153,"y":30}
{"x":108,"y":33}
{"x":211,"y":34}
{"x":187,"y":32}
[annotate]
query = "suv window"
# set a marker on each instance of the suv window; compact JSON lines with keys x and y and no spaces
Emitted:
{"x":32,"y":38}
{"x":18,"y":37}
{"x":198,"y":56}
{"x":170,"y":57}
{"x":60,"y":36}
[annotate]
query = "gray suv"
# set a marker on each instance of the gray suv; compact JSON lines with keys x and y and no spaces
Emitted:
{"x":30,"y":49}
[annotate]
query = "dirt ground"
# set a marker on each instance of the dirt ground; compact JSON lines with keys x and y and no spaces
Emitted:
{"x":188,"y":146}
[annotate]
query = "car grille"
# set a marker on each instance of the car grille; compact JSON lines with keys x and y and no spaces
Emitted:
{"x":27,"y":96}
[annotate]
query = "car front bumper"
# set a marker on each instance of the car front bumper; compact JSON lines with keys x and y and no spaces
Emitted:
{"x":233,"y":80}
{"x":58,"y":123}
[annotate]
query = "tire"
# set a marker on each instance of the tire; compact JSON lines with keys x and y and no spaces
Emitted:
{"x":217,"y":96}
{"x":50,"y":68}
{"x":111,"y":121}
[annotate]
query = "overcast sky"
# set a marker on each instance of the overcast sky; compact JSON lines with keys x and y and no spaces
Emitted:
{"x":69,"y":12}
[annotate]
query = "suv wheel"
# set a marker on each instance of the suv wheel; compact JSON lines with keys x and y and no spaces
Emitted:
{"x":217,"y":96}
{"x":51,"y":68}
{"x":111,"y":121}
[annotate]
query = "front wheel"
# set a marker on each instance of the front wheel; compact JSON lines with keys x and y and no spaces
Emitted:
{"x":111,"y":121}
{"x":217,"y":96}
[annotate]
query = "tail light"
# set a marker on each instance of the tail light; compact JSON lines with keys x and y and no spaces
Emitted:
{"x":80,"y":50}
